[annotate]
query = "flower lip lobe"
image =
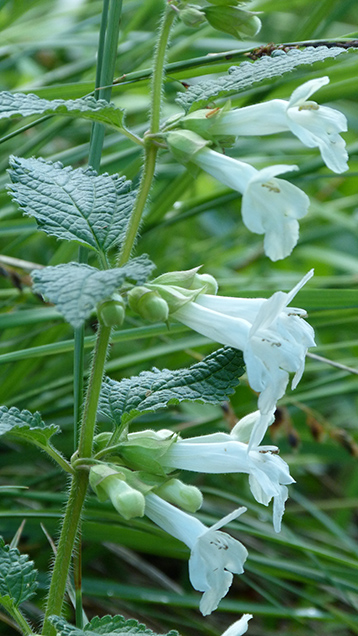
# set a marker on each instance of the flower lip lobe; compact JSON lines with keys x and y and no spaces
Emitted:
{"x":215,"y":556}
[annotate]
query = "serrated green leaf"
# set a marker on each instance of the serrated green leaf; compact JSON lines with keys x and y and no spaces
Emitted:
{"x":243,"y":76}
{"x":26,"y":426}
{"x":105,"y":626}
{"x":76,"y":288}
{"x":212,"y":380}
{"x":17,"y":576}
{"x":72,"y":204}
{"x":22,"y":105}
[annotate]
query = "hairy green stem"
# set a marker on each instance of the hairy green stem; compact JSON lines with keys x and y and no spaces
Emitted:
{"x":93,"y":391}
{"x":158,"y":68}
{"x":64,"y":550}
{"x":61,"y":461}
{"x":21,"y":621}
{"x":143,"y":191}
{"x":78,"y":487}
{"x":106,"y":60}
{"x":151,"y":149}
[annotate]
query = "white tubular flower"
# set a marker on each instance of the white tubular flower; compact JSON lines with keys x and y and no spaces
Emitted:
{"x":274,"y":338}
{"x":221,"y":453}
{"x":239,"y":627}
{"x":269,"y":206}
{"x":214,"y":557}
{"x":316,"y":126}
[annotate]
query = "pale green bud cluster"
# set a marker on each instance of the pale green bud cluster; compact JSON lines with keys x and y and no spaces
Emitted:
{"x":167,"y":293}
{"x":139,"y":472}
{"x":156,"y":300}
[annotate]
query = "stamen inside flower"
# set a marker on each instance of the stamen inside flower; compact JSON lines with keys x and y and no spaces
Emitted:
{"x":309,"y":106}
{"x":271,"y":186}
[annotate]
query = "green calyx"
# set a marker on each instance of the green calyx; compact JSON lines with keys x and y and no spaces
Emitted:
{"x":203,"y":122}
{"x":232,"y":20}
{"x":111,"y":312}
{"x":187,"y":497}
{"x":181,"y":287}
{"x":149,"y":304}
{"x":184,"y":144}
{"x":192,"y":16}
{"x":143,"y":450}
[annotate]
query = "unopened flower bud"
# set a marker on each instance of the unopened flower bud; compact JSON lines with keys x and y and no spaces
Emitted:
{"x":107,"y":483}
{"x":230,"y":19}
{"x":192,"y":16}
{"x":181,"y":278}
{"x":149,"y":304}
{"x":102,"y":440}
{"x":176,"y":492}
{"x":188,"y":279}
{"x":111,"y":312}
{"x":206,"y":282}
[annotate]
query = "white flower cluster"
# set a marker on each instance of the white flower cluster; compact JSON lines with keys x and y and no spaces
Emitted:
{"x":270,"y":206}
{"x":274,"y":339}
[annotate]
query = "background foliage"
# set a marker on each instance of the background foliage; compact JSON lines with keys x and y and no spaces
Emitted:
{"x":303,"y":580}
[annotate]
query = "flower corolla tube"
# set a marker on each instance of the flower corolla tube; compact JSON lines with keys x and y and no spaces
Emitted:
{"x":274,"y":338}
{"x":270,"y":206}
{"x":223,"y":453}
{"x":214,"y":555}
{"x":315,"y":126}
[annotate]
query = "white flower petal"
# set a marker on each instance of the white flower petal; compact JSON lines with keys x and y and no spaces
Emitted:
{"x":319,"y":128}
{"x":245,"y":307}
{"x":272,"y":206}
{"x":217,"y":326}
{"x":215,"y":556}
{"x":315,"y":126}
{"x":304,"y":92}
{"x":268,"y":473}
{"x":252,"y":428}
{"x":239,"y":627}
{"x":274,"y":340}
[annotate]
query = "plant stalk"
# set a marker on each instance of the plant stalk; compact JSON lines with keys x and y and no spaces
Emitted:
{"x":21,"y":621}
{"x":150,"y":149}
{"x":78,"y":486}
{"x":106,"y":60}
